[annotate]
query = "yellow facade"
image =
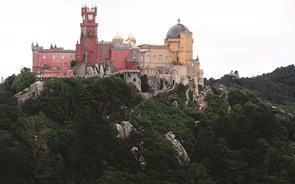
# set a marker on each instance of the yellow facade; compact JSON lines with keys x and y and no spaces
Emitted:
{"x":156,"y":56}
{"x":181,"y":48}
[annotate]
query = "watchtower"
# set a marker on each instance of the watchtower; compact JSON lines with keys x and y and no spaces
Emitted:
{"x":87,"y":49}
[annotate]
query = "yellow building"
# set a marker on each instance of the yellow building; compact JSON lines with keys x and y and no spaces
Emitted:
{"x":180,"y":42}
{"x":174,"y":59}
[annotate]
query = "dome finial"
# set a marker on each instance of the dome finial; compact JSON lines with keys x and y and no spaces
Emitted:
{"x":178,"y":20}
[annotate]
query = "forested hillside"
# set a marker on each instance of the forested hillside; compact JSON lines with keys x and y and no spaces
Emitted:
{"x":68,"y":134}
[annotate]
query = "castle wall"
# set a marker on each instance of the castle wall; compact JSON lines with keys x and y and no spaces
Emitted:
{"x":119,"y":58}
{"x":104,"y":51}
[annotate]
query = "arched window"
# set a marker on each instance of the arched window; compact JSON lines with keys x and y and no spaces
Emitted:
{"x":166,"y":58}
{"x":154,"y":58}
{"x":147,"y":57}
{"x":160,"y":57}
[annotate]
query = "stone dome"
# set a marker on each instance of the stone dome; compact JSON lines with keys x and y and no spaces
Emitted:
{"x":174,"y":31}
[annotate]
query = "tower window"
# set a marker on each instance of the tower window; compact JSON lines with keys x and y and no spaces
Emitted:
{"x":90,"y":17}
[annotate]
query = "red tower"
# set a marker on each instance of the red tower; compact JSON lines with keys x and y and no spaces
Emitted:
{"x":87,"y":49}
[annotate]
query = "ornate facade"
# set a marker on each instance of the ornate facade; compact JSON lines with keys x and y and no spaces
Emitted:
{"x":172,"y":61}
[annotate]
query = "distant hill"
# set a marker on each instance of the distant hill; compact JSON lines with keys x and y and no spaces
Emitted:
{"x":277,"y":87}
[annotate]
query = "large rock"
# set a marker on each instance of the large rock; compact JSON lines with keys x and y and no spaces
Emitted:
{"x":177,"y":146}
{"x":124,"y":129}
{"x":32,"y":92}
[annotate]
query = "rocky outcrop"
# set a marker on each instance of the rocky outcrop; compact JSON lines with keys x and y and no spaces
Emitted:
{"x":177,"y":146}
{"x":137,"y":152}
{"x":191,"y":91}
{"x":224,"y":96}
{"x":124,"y":129}
{"x":224,"y":93}
{"x":202,"y":104}
{"x":32,"y":92}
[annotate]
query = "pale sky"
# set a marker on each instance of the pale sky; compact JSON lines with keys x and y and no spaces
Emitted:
{"x":251,"y":36}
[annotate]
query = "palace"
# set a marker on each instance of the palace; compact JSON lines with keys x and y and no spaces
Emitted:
{"x":172,"y":61}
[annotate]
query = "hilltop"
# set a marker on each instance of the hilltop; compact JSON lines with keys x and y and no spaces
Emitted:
{"x":69,"y":133}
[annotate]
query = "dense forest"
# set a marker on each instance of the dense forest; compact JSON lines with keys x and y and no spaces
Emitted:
{"x":68,"y":133}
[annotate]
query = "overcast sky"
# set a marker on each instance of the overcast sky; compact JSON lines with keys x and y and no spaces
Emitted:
{"x":251,"y":36}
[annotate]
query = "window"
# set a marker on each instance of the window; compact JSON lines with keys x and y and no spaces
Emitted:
{"x":44,"y":57}
{"x":53,"y":56}
{"x":160,"y":57}
{"x":147,"y":57}
{"x":166,"y":58}
{"x":62,"y":57}
{"x":154,"y":58}
{"x":90,"y":17}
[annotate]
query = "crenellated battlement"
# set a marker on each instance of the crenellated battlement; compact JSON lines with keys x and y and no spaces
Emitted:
{"x":51,"y":49}
{"x":87,"y":10}
{"x":172,"y":40}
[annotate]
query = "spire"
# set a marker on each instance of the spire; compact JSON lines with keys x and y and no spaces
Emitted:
{"x":178,"y":20}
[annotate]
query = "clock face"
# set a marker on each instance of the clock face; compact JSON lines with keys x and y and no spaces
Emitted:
{"x":90,"y":17}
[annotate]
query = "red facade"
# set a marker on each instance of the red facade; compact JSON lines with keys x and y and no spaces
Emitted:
{"x":104,"y":51}
{"x":52,"y":62}
{"x":56,"y":61}
{"x":120,"y":57}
